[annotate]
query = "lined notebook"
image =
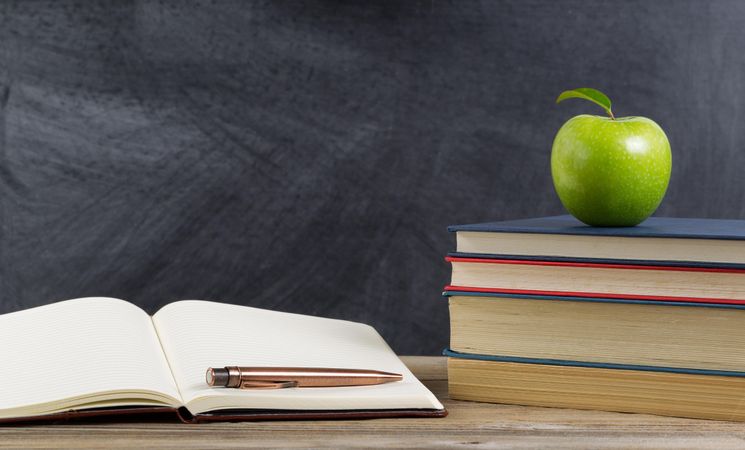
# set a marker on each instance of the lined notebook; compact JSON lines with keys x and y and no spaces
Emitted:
{"x":94,"y":356}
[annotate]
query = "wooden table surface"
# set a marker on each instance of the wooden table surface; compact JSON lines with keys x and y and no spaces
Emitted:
{"x":469,"y":424}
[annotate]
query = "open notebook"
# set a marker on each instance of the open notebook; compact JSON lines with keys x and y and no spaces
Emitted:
{"x":94,"y":356}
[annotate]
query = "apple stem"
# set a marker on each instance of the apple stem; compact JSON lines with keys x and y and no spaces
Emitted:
{"x":610,"y":113}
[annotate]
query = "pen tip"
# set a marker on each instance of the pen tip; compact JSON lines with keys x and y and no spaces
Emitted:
{"x":396,"y":376}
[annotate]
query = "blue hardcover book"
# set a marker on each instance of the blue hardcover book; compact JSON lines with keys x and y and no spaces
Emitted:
{"x":656,"y":241}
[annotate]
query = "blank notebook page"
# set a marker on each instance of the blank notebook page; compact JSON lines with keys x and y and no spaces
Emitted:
{"x":79,"y":349}
{"x":196,"y":335}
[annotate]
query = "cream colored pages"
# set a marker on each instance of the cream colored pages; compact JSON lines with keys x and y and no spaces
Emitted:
{"x":82,"y":353}
{"x":196,"y":335}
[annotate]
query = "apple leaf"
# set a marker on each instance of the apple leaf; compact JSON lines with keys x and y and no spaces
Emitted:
{"x":590,"y":94}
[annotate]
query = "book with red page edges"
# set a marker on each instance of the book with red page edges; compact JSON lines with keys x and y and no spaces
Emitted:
{"x":676,"y":283}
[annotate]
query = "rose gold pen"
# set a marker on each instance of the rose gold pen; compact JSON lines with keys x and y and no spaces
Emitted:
{"x":287,"y":377}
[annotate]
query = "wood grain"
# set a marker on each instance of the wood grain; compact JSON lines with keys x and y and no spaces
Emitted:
{"x":469,"y":424}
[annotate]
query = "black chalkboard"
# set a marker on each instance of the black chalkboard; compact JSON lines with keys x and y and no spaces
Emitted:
{"x":307,"y":156}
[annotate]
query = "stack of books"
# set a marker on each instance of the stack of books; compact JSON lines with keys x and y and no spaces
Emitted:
{"x":647,"y":319}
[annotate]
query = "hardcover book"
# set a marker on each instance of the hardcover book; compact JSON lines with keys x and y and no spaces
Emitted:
{"x":623,"y":390}
{"x":589,"y":279}
{"x":664,"y":240}
{"x":671,"y":337}
{"x":98,"y":356}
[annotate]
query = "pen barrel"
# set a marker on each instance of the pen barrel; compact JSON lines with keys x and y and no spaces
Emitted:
{"x":321,"y":380}
{"x":258,"y":377}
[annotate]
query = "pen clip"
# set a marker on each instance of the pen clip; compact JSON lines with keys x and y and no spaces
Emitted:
{"x":268,"y":384}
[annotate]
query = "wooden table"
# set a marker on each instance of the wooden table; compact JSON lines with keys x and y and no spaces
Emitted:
{"x":469,"y":424}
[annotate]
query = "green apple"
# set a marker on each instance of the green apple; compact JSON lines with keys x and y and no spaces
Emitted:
{"x":608,"y":171}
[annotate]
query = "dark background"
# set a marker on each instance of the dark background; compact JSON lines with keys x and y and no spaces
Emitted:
{"x":307,"y":156}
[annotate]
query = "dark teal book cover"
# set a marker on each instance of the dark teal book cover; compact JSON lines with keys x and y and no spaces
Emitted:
{"x":654,"y":227}
{"x":597,"y":365}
